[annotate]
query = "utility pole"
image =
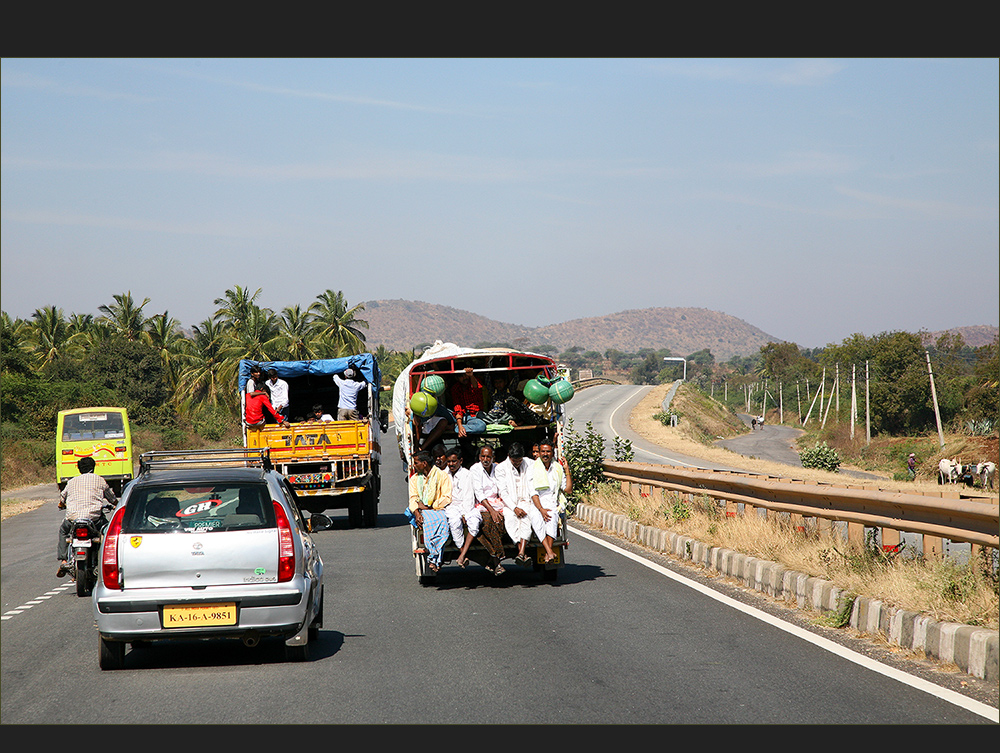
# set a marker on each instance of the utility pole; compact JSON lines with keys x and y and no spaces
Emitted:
{"x":798,"y":401}
{"x":854,"y":398}
{"x":937,"y":413}
{"x":781,"y":406}
{"x":836,"y":381}
{"x":868,"y":413}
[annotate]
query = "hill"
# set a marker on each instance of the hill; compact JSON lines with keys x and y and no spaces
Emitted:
{"x":403,"y":325}
{"x":975,"y":337}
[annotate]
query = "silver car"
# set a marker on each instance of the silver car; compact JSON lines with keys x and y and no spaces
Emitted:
{"x":208,"y":544}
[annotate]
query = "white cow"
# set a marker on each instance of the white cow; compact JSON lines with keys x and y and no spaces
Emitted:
{"x":948,"y":471}
{"x":986,"y":470}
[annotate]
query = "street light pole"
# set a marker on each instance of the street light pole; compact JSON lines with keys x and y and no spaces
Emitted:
{"x":685,"y":365}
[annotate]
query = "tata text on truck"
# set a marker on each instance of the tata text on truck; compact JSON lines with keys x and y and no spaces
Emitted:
{"x":518,"y":368}
{"x":101,"y":433}
{"x":330,"y":464}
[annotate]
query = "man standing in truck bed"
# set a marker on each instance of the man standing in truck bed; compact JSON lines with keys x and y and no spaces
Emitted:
{"x":349,"y":384}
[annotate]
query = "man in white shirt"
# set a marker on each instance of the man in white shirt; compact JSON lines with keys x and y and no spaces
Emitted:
{"x":487,"y":494}
{"x":349,"y":387}
{"x":464,"y":518}
{"x":520,"y":516}
{"x":549,"y":481}
{"x":279,"y":393}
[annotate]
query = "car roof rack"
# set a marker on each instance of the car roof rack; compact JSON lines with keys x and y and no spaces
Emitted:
{"x":225,"y":458}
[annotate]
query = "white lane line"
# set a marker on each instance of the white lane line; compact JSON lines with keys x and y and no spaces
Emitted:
{"x":611,"y":423}
{"x":944,"y":694}
{"x":34,"y":602}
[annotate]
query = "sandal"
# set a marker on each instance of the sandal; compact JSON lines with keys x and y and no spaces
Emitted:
{"x":462,"y":562}
{"x":499,"y":570}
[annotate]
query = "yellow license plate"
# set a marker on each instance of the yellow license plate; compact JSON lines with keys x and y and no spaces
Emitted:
{"x":180,"y":616}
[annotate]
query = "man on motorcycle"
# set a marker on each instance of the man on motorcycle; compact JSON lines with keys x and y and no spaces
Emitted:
{"x":84,"y":496}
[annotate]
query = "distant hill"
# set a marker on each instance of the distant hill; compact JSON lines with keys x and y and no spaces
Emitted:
{"x":403,"y":325}
{"x":975,"y":337}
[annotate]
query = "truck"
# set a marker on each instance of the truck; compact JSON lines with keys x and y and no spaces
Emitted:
{"x":524,"y":371}
{"x":102,"y":433}
{"x":331,"y":465}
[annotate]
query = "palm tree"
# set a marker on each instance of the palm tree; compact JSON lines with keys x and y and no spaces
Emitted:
{"x":199,"y":378}
{"x":49,"y":335}
{"x":295,"y":334}
{"x":125,"y":318}
{"x":337,"y":326}
{"x":235,"y":306}
{"x":164,"y":333}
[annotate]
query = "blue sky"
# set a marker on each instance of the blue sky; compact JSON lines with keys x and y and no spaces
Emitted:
{"x":811,"y":198}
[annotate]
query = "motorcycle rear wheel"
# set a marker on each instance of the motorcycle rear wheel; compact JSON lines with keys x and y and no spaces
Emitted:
{"x":82,"y":575}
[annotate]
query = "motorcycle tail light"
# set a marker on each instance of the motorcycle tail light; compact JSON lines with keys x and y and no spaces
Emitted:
{"x":81,"y":532}
{"x":286,"y":545}
{"x":111,"y":574}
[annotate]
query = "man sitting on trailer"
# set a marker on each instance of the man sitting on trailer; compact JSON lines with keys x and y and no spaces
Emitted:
{"x":520,"y":516}
{"x":487,"y":496}
{"x":464,"y":518}
{"x":550,"y":481}
{"x":468,"y":396}
{"x":429,"y":494}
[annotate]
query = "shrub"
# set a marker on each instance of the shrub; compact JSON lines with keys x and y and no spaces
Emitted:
{"x":820,"y":456}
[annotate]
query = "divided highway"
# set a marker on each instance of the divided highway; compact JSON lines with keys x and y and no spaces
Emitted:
{"x":617,"y":639}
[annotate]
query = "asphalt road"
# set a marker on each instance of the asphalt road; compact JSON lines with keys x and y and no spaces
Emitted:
{"x":617,"y":639}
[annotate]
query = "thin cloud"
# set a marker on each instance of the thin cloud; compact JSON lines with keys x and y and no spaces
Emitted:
{"x":941,"y":210}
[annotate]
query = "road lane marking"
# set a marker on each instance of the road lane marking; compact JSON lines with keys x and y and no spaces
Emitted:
{"x":944,"y":694}
{"x":10,"y":614}
{"x":611,"y":423}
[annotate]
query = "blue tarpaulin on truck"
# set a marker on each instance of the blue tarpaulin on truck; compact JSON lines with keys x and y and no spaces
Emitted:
{"x":363,"y":362}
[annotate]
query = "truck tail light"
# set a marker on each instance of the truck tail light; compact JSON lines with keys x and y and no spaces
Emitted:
{"x":110,"y":572}
{"x":286,"y":544}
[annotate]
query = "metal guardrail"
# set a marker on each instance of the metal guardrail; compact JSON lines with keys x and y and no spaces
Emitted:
{"x":974,"y":521}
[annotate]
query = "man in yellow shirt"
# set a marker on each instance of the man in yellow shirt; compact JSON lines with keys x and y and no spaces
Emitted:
{"x":429,"y":493}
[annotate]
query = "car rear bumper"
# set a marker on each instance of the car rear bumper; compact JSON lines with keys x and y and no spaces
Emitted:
{"x":138,"y":614}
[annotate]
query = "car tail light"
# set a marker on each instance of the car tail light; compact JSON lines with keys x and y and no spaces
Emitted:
{"x":286,"y":545}
{"x":110,"y":572}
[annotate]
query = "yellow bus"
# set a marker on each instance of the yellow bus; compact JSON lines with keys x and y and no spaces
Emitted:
{"x":100,"y":433}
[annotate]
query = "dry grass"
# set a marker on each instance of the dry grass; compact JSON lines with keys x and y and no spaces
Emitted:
{"x":945,"y":591}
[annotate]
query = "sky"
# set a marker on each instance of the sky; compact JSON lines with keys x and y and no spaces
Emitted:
{"x":811,"y":198}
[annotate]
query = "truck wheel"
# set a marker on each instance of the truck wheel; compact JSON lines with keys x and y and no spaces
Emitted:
{"x":112,"y":653}
{"x":354,"y":514}
{"x":369,"y":506}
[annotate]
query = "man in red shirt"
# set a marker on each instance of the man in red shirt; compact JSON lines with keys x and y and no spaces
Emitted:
{"x":467,"y":400}
{"x":256,"y":403}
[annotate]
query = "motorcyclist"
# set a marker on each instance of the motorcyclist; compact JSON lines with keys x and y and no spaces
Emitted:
{"x":84,"y":496}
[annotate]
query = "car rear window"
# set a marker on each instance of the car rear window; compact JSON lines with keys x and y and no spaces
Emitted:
{"x":219,"y":507}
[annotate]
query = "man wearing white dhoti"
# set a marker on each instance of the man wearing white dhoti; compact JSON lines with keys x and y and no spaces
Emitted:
{"x":550,"y":482}
{"x":520,"y":516}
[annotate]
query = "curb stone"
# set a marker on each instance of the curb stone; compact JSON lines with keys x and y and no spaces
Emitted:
{"x":976,"y":651}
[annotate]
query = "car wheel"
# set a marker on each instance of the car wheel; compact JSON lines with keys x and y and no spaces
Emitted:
{"x":112,"y":653}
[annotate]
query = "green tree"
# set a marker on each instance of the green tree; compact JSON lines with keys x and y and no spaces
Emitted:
{"x":337,"y":327}
{"x":125,"y":317}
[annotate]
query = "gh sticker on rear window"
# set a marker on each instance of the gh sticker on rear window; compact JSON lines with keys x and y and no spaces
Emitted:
{"x":199,"y":508}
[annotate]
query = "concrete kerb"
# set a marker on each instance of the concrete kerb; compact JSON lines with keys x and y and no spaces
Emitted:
{"x":976,"y":651}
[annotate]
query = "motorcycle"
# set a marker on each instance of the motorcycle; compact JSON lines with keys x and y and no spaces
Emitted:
{"x":84,"y":552}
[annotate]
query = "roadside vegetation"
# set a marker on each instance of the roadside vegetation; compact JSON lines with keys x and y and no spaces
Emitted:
{"x":947,"y":591}
{"x":178,"y":385}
